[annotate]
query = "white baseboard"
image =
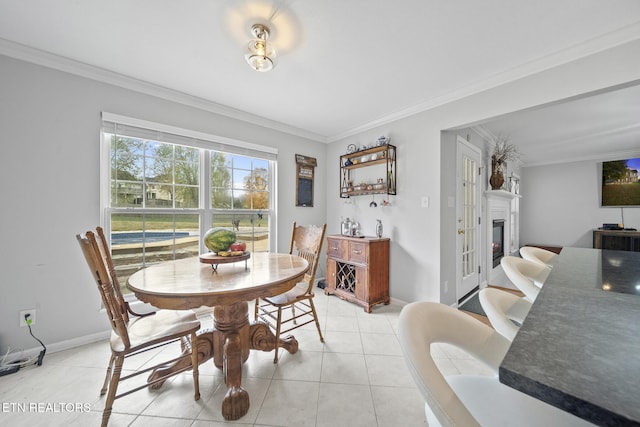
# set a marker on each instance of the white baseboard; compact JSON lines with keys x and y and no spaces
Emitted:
{"x":398,"y":302}
{"x":91,"y":338}
{"x":58,"y":346}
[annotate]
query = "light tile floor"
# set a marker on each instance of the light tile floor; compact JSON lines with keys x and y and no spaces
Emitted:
{"x":356,"y":378}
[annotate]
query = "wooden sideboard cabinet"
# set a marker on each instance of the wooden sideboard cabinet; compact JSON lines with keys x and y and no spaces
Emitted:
{"x":358,"y":269}
{"x":618,"y":240}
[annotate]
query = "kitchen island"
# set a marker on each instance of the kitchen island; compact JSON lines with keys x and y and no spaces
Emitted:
{"x":578,"y":349}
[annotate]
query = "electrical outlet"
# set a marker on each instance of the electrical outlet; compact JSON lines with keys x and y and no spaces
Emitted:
{"x":32,"y":316}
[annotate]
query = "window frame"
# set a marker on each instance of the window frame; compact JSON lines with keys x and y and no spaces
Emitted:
{"x":206,"y":143}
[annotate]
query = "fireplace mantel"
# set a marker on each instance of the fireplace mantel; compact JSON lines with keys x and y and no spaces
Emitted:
{"x":501,"y":205}
{"x":501,"y":193}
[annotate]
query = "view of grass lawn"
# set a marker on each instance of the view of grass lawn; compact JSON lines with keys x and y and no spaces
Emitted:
{"x":621,"y":194}
{"x":133,"y":222}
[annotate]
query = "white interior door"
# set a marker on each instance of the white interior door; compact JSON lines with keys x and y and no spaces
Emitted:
{"x":468,"y":218}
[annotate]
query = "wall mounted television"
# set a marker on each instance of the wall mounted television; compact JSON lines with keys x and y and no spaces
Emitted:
{"x":621,"y":183}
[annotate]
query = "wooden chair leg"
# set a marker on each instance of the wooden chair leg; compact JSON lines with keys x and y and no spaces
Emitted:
{"x":293,"y":313}
{"x":113,"y":387}
{"x":108,"y":376}
{"x":315,"y":317}
{"x":195,"y":363}
{"x":275,"y":358}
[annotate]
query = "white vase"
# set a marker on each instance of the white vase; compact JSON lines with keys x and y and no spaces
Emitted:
{"x":379,"y":228}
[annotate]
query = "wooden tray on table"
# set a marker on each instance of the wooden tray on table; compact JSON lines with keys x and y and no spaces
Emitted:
{"x":215,"y":259}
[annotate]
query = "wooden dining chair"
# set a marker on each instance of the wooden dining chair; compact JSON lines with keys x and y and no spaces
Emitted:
{"x":105,"y":252}
{"x":132,"y":335}
{"x":306,"y":242}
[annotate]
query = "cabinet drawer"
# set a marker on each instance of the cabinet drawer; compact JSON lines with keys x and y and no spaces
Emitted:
{"x":337,"y":248}
{"x":358,"y":252}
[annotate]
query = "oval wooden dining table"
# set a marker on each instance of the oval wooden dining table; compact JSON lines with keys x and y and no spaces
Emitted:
{"x":190,"y":284}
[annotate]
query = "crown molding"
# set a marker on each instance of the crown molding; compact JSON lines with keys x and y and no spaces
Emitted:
{"x":590,"y":47}
{"x":627,"y":154}
{"x":635,"y":128}
{"x":71,"y":66}
{"x":489,"y":136}
{"x":484,"y":133}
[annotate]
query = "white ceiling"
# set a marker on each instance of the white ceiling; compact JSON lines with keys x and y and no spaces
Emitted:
{"x":343,"y":65}
{"x":603,"y":126}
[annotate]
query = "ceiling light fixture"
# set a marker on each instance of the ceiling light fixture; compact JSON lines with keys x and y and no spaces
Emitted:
{"x":261,"y":55}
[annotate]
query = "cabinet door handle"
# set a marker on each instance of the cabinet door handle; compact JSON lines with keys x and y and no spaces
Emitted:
{"x":334,"y":249}
{"x":356,"y":252}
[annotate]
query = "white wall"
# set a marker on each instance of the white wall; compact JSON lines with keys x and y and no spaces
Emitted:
{"x":49,"y":170}
{"x":421,"y":236}
{"x":561,"y":205}
{"x":50,"y":124}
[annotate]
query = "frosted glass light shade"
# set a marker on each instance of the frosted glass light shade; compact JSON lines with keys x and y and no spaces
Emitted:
{"x":261,"y":55}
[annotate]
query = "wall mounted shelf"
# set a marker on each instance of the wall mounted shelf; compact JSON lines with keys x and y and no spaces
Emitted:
{"x":382,"y":155}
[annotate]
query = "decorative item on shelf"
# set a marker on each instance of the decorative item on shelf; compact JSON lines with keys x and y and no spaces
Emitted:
{"x":345,"y":227}
{"x":355,"y":228}
{"x":514,"y":184}
{"x":386,"y":203}
{"x":351,"y":148}
{"x":348,"y":162}
{"x":360,"y":187}
{"x":383,"y":140}
{"x":503,"y":151}
{"x":378,"y":228}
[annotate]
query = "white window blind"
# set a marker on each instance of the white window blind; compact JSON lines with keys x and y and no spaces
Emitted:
{"x":137,"y":128}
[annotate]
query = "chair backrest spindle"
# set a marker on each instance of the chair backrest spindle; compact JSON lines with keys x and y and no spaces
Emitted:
{"x":105,"y":252}
{"x":306,"y":242}
{"x":106,"y":287}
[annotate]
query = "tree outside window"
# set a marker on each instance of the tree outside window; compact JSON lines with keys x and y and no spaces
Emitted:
{"x":156,"y":209}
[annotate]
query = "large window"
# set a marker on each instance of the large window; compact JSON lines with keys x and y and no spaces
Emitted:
{"x":164,"y":187}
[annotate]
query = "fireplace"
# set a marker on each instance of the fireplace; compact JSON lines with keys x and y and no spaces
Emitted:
{"x":497,"y":243}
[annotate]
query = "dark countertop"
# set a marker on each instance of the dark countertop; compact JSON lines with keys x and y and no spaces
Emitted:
{"x":579,"y":347}
{"x":596,"y":269}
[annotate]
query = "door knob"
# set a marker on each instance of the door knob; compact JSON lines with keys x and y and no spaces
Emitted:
{"x":460,"y":231}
